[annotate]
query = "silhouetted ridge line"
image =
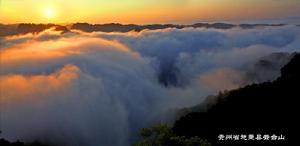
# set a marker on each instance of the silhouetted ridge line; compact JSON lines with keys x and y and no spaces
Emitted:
{"x":267,"y":108}
{"x":36,"y":28}
{"x":116,"y":27}
{"x":4,"y":142}
{"x":251,"y":26}
{"x":23,"y":28}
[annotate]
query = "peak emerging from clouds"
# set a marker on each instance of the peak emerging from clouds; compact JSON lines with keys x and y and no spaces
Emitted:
{"x":23,"y":28}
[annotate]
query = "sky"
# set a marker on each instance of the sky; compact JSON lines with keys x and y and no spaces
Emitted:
{"x":145,"y":11}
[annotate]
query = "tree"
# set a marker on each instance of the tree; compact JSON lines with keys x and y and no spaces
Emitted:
{"x":162,"y":135}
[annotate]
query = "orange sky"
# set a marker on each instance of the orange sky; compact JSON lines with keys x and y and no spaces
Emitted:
{"x":143,"y":11}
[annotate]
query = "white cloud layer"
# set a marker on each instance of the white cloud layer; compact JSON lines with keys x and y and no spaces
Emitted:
{"x":100,"y":88}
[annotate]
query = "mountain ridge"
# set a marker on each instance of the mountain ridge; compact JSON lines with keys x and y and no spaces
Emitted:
{"x":23,"y":28}
{"x":265,"y":108}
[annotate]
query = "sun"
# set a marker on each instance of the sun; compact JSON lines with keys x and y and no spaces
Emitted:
{"x":49,"y":13}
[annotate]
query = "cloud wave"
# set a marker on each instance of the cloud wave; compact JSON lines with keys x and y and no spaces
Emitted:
{"x":97,"y":88}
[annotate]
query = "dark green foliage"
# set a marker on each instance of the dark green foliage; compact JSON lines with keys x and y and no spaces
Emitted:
{"x":266,"y":108}
{"x":4,"y":142}
{"x":162,"y":135}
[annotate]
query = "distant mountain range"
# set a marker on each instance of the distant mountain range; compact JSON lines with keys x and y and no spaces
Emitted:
{"x":23,"y":28}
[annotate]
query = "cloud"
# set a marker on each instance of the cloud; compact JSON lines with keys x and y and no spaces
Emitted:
{"x":30,"y":87}
{"x":67,"y":107}
{"x":189,"y":51}
{"x":47,"y":34}
{"x":90,"y":86}
{"x":99,"y":88}
{"x":222,"y":79}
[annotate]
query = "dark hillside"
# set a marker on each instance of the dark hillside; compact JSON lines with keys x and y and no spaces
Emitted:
{"x":267,"y":108}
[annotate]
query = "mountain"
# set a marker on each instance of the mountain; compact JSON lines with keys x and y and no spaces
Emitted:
{"x":6,"y":30}
{"x":4,"y":142}
{"x":116,"y":27}
{"x":23,"y":28}
{"x":268,"y":67}
{"x":266,"y":108}
{"x":251,"y":26}
{"x":214,"y":25}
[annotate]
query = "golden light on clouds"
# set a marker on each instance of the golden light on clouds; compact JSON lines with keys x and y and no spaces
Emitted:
{"x":33,"y":50}
{"x":38,"y":87}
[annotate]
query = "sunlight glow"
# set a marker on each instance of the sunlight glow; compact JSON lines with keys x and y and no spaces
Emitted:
{"x":144,"y":11}
{"x":49,"y":13}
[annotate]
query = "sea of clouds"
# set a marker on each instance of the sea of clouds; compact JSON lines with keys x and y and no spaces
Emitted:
{"x":97,"y":88}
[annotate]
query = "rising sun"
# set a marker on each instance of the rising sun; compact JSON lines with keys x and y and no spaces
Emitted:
{"x":49,"y":13}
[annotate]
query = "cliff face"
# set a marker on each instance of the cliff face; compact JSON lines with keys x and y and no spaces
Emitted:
{"x":267,"y":108}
